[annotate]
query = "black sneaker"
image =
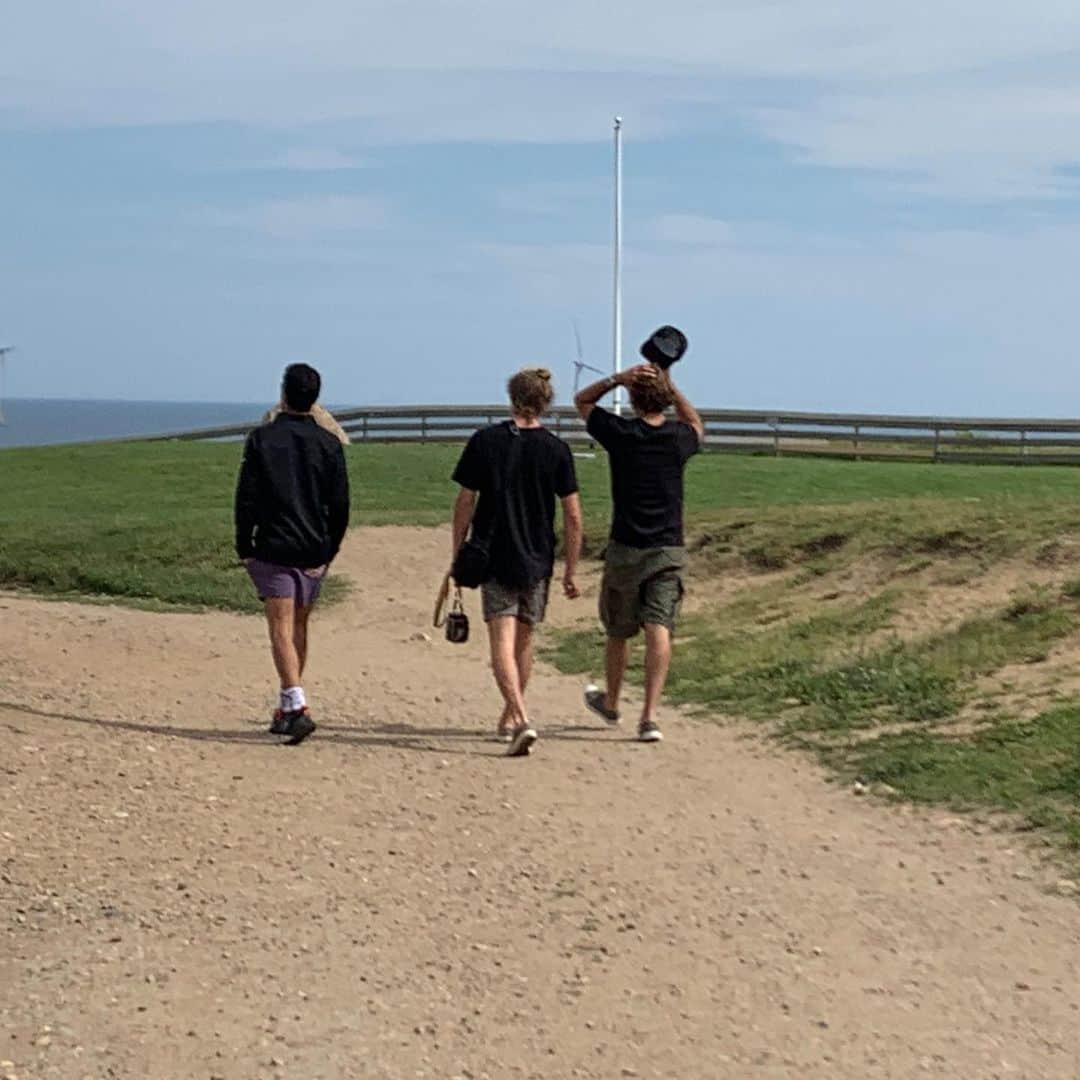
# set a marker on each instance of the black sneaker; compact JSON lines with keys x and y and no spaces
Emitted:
{"x":596,"y":701}
{"x":648,"y":732}
{"x":279,"y":725}
{"x":298,"y":726}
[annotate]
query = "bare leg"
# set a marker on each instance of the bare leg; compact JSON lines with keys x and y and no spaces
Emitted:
{"x":280,"y":622}
{"x":657,"y":662}
{"x":502,"y":636}
{"x":616,"y":659}
{"x":523,"y":654}
{"x":300,"y":636}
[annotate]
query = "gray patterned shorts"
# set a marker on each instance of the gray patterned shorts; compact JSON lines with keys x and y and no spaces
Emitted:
{"x":527,"y":605}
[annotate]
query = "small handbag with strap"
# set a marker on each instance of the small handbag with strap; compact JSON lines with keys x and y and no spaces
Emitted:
{"x":455,"y":622}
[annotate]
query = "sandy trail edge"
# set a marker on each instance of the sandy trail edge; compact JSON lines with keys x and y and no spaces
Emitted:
{"x":180,"y":899}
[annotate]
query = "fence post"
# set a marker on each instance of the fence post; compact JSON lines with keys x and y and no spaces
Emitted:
{"x":1023,"y":448}
{"x":423,"y":427}
{"x":364,"y":432}
{"x":937,"y":443}
{"x":858,"y":456}
{"x":775,"y":421}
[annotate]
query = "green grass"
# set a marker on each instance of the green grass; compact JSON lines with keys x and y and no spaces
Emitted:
{"x":153,"y":521}
{"x":1030,"y":770}
{"x":818,"y":666}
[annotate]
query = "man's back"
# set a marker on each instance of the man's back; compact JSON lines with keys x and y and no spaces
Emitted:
{"x":292,"y":499}
{"x":647,"y":465}
{"x":519,"y":473}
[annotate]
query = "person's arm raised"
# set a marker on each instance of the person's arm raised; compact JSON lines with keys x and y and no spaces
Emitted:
{"x":585,"y":400}
{"x":686,"y":412}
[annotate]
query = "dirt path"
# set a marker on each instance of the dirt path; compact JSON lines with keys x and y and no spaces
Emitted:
{"x":179,"y":899}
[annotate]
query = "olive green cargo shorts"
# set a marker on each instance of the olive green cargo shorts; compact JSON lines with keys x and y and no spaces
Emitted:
{"x":640,"y":586}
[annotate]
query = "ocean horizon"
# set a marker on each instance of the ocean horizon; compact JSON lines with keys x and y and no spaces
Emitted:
{"x":52,"y":421}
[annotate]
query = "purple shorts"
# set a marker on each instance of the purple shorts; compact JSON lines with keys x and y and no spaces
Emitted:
{"x":273,"y":581}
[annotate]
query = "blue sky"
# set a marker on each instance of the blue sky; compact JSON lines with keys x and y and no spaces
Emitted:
{"x":867,"y":207}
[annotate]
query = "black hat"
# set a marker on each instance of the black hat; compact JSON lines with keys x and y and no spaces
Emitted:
{"x":665,"y":346}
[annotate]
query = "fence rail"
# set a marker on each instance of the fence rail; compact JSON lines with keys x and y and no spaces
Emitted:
{"x":850,"y":435}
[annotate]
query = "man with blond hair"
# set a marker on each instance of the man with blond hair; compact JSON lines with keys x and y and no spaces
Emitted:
{"x":642,"y":586}
{"x":510,"y":475}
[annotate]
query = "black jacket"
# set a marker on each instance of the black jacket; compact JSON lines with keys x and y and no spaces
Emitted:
{"x":292,"y":498}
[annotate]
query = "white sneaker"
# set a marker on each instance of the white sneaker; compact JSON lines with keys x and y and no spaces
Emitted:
{"x":521,"y":743}
{"x":648,"y":732}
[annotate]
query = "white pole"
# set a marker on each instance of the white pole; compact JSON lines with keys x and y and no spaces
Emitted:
{"x":3,"y":372}
{"x":617,"y":328}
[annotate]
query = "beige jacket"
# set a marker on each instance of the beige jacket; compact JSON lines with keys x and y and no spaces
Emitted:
{"x":322,"y":417}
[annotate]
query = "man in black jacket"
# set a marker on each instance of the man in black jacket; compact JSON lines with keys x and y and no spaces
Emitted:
{"x":292,"y":510}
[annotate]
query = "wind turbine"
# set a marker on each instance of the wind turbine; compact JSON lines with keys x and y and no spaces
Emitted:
{"x":579,"y":364}
{"x":3,"y":367}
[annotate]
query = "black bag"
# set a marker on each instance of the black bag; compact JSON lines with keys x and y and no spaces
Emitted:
{"x":471,"y":564}
{"x":457,"y":622}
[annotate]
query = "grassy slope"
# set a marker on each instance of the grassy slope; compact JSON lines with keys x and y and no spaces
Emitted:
{"x":152,"y":523}
{"x":153,"y":520}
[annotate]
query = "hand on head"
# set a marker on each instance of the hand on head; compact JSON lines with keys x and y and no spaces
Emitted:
{"x":644,"y":372}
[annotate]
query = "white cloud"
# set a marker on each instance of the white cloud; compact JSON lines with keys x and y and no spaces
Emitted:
{"x":304,"y":218}
{"x":691,"y":230}
{"x":971,"y":98}
{"x":314,"y":159}
{"x":555,"y":200}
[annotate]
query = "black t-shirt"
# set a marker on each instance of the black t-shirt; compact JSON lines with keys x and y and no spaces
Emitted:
{"x":518,"y":473}
{"x":647,"y":465}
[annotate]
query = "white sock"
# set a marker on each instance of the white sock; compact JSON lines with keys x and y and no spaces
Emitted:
{"x":292,"y":699}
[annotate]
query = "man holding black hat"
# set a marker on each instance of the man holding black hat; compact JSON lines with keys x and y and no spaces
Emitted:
{"x":642,"y":586}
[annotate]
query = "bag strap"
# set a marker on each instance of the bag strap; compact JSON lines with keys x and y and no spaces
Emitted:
{"x":497,"y":492}
{"x":438,"y":619}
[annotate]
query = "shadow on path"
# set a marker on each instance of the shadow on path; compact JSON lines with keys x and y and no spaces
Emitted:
{"x":399,"y":736}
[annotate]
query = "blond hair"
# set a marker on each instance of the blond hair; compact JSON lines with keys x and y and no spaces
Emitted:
{"x":531,"y":392}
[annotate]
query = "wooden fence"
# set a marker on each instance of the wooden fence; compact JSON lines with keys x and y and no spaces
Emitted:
{"x":929,"y":438}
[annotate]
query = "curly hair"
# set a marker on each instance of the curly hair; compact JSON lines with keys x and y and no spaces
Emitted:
{"x":652,"y":395}
{"x":531,"y":392}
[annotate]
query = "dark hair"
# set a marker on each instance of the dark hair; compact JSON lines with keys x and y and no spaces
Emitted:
{"x":300,"y":387}
{"x":652,"y":395}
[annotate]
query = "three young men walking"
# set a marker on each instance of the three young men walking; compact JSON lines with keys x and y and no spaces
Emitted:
{"x":292,"y":511}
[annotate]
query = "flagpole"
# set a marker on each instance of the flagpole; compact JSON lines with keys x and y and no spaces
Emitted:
{"x":618,"y":300}
{"x":3,"y":371}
